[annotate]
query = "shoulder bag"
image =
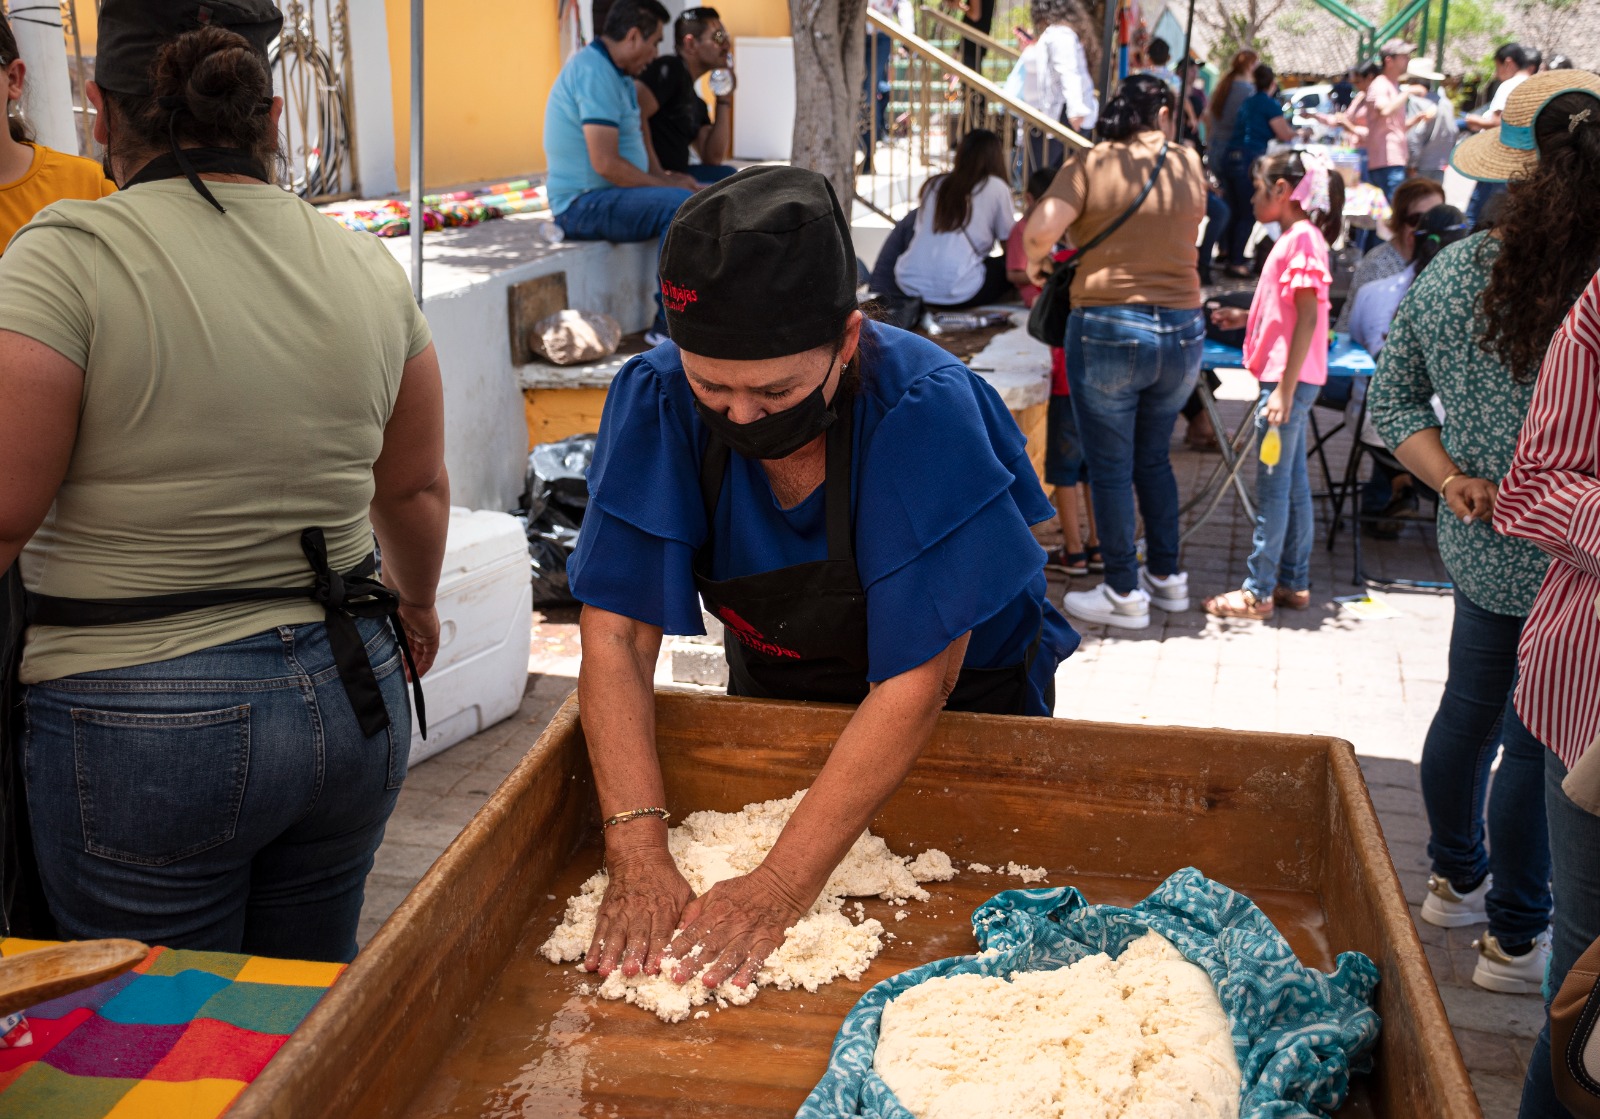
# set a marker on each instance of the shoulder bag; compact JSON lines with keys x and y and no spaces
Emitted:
{"x":1574,"y":1038}
{"x":1048,"y":320}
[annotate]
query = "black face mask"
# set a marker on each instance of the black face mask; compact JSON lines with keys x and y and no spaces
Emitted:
{"x":778,"y":435}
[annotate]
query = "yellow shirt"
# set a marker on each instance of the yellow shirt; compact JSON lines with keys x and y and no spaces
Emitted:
{"x":53,"y":176}
{"x":239,"y":370}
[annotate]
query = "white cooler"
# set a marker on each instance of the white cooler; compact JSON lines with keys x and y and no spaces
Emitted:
{"x":485,"y":624}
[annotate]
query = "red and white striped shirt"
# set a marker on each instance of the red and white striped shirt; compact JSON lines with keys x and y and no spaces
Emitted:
{"x":1552,"y":497}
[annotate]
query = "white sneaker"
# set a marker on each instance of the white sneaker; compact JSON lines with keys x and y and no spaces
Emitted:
{"x":654,"y":338}
{"x":1108,"y":608}
{"x":1511,"y":975}
{"x":1450,"y":910}
{"x":1170,"y":592}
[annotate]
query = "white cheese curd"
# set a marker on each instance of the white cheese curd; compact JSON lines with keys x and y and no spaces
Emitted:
{"x":1140,"y":1037}
{"x":710,"y":847}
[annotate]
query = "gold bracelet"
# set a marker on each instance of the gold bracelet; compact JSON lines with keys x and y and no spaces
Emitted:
{"x":1446,"y":483}
{"x":624,"y":817}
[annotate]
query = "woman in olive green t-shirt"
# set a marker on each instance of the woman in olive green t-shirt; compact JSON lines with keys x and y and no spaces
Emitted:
{"x":205,"y":385}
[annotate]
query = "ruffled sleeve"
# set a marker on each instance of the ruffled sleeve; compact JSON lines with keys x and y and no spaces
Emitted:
{"x":645,"y":521}
{"x":1305,"y":263}
{"x":950,"y":494}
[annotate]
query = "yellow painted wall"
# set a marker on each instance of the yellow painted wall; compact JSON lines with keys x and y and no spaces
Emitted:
{"x":754,"y":17}
{"x":486,"y":81}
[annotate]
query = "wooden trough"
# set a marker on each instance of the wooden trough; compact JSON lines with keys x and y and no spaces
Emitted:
{"x":450,"y":1011}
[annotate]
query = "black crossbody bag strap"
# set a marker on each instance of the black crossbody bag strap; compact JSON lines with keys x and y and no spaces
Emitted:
{"x":1047,"y":322}
{"x":1150,"y":184}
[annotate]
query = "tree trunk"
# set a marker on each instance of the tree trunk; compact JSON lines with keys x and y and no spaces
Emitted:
{"x":828,"y":72}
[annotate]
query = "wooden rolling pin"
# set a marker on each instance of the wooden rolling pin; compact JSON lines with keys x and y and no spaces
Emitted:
{"x":33,"y":977}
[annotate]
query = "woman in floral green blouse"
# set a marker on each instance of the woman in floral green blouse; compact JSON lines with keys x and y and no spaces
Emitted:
{"x":1473,"y":329}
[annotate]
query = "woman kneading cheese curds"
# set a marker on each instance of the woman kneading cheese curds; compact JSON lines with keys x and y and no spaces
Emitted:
{"x":850,"y":501}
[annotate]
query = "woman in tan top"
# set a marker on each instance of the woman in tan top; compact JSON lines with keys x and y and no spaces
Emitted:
{"x":1134,"y":340}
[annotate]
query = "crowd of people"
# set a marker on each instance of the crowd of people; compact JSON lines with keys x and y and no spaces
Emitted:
{"x":852,"y":502}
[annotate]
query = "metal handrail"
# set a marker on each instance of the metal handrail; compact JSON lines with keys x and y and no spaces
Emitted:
{"x":971,"y":78}
{"x":966,"y":31}
{"x":937,"y":101}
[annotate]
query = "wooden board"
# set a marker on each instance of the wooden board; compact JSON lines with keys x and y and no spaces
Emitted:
{"x":527,"y":303}
{"x":451,"y":1012}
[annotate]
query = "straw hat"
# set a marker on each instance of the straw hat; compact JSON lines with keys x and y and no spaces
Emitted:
{"x":1507,"y":152}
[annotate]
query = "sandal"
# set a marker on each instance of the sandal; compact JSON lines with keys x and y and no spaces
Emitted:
{"x":1293,"y":600}
{"x":1070,"y":563}
{"x":1240,"y":604}
{"x":1096,"y":561}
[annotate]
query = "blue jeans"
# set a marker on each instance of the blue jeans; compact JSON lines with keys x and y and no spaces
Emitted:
{"x":1063,"y":450}
{"x":1239,"y":189}
{"x":1285,"y":523}
{"x":1475,"y":717}
{"x":1131,"y":368}
{"x":1482,"y":206}
{"x":624,"y":214}
{"x":1386,"y":179}
{"x":1574,"y":839}
{"x":880,"y":50}
{"x":709,"y":173}
{"x":1218,"y":216}
{"x":225,"y":801}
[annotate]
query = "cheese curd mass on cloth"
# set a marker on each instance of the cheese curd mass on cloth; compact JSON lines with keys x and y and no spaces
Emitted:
{"x":710,"y":847}
{"x":1142,"y":1036}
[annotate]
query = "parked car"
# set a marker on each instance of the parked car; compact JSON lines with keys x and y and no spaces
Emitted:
{"x":1301,"y":102}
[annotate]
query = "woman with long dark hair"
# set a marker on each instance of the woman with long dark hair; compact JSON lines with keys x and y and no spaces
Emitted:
{"x":1474,"y":329}
{"x":941,"y":251}
{"x":215,"y":396}
{"x":31,"y":175}
{"x":1134,"y":339}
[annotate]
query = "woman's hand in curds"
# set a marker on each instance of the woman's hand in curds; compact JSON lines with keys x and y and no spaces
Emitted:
{"x":1471,"y":499}
{"x":644,"y":897}
{"x":734,"y":927}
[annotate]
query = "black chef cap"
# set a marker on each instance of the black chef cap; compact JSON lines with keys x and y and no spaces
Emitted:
{"x":759,"y":266}
{"x":132,"y":31}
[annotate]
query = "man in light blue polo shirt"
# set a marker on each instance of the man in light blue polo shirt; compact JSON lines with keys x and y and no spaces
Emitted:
{"x":599,"y":179}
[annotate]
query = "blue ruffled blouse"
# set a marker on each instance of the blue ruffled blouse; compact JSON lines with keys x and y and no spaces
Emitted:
{"x":942,"y":491}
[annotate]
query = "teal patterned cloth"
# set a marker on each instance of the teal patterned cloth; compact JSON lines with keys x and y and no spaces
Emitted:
{"x":1299,"y":1033}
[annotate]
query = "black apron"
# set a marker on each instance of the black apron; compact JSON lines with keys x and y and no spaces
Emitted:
{"x":801,"y":632}
{"x":344,"y":598}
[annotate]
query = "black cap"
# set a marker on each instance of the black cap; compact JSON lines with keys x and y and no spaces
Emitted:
{"x":132,"y":31}
{"x":759,"y":266}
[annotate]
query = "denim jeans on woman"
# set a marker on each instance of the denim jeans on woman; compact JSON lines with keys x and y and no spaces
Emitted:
{"x":224,"y":801}
{"x":1238,"y":189}
{"x":1286,"y":523}
{"x":1475,"y":716}
{"x":1131,"y":368}
{"x":1574,"y":842}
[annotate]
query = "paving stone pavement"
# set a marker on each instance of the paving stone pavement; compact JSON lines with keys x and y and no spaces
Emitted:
{"x":1375,"y":682}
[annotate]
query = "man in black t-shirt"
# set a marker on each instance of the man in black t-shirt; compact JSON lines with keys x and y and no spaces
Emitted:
{"x":676,"y":119}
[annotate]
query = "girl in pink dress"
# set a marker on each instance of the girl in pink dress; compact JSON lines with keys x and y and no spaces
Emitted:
{"x":1286,"y":347}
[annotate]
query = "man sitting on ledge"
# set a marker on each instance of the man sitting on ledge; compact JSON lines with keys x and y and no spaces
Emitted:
{"x":600,"y":184}
{"x":672,"y":107}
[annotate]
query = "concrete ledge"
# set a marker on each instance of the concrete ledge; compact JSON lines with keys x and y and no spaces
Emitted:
{"x":466,"y":276}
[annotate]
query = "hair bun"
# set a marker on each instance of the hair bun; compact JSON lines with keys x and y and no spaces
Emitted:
{"x":221,"y":79}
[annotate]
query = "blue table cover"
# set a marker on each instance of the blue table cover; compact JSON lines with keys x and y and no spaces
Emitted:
{"x":1345,"y":358}
{"x":1299,"y":1033}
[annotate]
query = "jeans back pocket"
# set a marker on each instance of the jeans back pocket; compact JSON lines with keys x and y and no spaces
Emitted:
{"x":156,"y":788}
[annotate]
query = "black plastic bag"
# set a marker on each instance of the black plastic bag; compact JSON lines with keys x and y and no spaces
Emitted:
{"x":556,"y":498}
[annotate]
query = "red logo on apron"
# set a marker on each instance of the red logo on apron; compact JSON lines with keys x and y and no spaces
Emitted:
{"x":750,"y":637}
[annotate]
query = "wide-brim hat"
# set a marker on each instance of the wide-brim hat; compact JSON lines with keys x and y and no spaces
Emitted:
{"x":1498,"y":155}
{"x":1419,"y":68}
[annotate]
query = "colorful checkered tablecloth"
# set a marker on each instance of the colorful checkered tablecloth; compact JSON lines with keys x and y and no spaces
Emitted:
{"x":178,"y":1037}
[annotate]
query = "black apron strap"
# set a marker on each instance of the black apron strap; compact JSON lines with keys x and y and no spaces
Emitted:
{"x":355,"y":594}
{"x":836,"y":495}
